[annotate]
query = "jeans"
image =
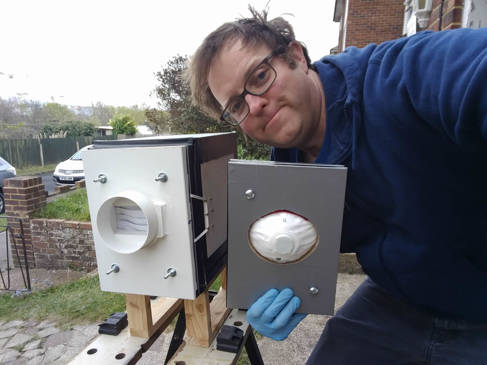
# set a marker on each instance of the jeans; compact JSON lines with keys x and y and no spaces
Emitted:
{"x":374,"y":328}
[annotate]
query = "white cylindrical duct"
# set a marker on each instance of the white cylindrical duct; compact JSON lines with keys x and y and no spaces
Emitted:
{"x":128,"y":221}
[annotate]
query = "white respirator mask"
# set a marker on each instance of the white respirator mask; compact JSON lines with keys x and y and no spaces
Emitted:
{"x":283,"y":236}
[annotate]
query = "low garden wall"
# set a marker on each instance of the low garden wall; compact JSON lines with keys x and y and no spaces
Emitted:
{"x":50,"y":243}
{"x":60,"y":244}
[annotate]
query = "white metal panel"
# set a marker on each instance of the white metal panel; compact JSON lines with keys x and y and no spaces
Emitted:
{"x":134,"y":169}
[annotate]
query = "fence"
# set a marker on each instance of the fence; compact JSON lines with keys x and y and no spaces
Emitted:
{"x":35,"y":152}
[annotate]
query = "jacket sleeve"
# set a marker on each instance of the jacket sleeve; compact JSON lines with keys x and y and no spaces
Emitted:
{"x":443,"y":77}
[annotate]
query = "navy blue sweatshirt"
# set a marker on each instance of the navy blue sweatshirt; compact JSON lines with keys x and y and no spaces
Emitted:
{"x":409,"y":119}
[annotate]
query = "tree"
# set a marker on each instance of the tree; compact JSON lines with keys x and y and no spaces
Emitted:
{"x":101,"y":114}
{"x":123,"y":125}
{"x":184,"y":117}
{"x":158,"y":120}
{"x":57,"y":113}
{"x":69,"y":129}
{"x":175,"y":97}
{"x":134,"y":112}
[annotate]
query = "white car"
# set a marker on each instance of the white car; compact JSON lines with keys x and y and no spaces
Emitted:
{"x":6,"y":171}
{"x":71,"y":170}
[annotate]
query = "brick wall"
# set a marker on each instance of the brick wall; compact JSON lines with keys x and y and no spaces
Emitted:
{"x":373,"y":21}
{"x":23,"y":195}
{"x":451,"y":14}
{"x":50,"y":243}
{"x":60,"y":244}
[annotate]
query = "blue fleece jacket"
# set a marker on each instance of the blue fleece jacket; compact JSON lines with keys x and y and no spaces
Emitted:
{"x":409,"y":119}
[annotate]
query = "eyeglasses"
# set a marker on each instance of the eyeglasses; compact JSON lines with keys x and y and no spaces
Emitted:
{"x":259,"y":81}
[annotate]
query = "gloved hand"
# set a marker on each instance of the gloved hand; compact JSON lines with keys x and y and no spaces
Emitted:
{"x":272,"y":315}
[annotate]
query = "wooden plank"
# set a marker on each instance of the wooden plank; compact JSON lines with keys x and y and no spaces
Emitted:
{"x":198,"y":319}
{"x":224,"y":278}
{"x":192,"y":354}
{"x":219,"y":311}
{"x":164,"y":310}
{"x":139,"y":314}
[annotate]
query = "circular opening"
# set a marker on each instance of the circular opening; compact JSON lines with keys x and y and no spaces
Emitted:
{"x":120,"y":356}
{"x":283,"y":237}
{"x":91,"y":351}
{"x":127,"y":222}
{"x":237,"y":323}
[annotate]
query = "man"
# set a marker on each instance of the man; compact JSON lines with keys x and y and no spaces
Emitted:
{"x":409,"y":119}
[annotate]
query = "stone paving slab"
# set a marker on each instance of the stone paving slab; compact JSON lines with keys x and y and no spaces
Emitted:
{"x":8,"y":333}
{"x":32,"y":353}
{"x":12,"y":324}
{"x":48,"y":331}
{"x":17,"y":340}
{"x":32,"y":345}
{"x":8,"y":355}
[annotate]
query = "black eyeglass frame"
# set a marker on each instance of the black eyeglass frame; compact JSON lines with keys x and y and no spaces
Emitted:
{"x":245,"y":91}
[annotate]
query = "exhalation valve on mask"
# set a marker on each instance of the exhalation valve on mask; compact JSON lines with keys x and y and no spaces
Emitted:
{"x":283,"y":237}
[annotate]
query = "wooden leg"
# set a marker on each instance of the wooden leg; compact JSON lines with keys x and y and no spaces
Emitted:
{"x":146,"y":316}
{"x":198,"y":319}
{"x":139,"y":315}
{"x":204,"y":319}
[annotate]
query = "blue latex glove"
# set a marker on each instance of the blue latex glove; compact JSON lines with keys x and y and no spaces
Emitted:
{"x":272,"y":315}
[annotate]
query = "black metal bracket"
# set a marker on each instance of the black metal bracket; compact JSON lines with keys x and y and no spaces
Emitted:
{"x":177,"y":336}
{"x":250,"y":344}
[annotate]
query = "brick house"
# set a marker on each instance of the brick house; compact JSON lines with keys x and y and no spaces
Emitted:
{"x":375,"y":21}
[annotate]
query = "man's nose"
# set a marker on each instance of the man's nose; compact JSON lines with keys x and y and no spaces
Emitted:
{"x":256,"y":103}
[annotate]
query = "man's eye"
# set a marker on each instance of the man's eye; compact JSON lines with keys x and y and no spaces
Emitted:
{"x":236,"y":106}
{"x":259,"y":78}
{"x":262,"y":75}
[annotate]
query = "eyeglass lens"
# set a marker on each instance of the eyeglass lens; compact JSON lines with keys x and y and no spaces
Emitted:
{"x":257,"y":84}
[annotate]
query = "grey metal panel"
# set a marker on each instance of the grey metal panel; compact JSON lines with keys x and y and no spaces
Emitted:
{"x":316,"y":192}
{"x":214,"y":176}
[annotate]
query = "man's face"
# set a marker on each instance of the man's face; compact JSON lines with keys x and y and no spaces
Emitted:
{"x":285,"y":115}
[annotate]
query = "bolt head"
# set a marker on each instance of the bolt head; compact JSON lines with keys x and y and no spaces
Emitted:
{"x":249,"y":194}
{"x":313,"y":290}
{"x":162,"y":177}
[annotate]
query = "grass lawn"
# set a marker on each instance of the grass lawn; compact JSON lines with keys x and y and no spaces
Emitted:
{"x":3,"y":222}
{"x":34,"y":170}
{"x":80,"y":301}
{"x":72,"y":207}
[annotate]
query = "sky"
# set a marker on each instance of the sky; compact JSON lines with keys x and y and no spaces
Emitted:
{"x":88,"y":51}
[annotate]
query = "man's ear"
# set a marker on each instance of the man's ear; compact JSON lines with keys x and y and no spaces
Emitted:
{"x":296,"y":56}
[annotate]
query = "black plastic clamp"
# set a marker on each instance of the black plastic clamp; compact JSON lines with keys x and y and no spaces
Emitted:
{"x":229,"y":339}
{"x":114,"y":324}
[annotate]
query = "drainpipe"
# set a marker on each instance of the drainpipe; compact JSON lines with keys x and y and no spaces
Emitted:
{"x":441,"y":14}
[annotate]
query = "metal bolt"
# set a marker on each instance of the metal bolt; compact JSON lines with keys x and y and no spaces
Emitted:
{"x":102,"y":178}
{"x":249,"y":194}
{"x":170,"y":273}
{"x":162,"y":177}
{"x":313,"y":290}
{"x":113,"y":268}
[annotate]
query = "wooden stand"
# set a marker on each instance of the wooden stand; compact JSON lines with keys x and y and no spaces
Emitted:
{"x":204,"y":319}
{"x":145,"y":318}
{"x":149,"y":318}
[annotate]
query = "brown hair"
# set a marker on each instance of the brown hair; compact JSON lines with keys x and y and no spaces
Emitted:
{"x":276,"y":34}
